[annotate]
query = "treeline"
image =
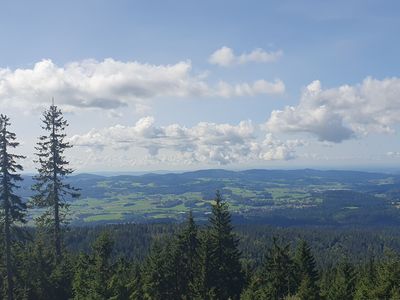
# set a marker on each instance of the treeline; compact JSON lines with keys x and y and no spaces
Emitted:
{"x":193,"y":262}
{"x":133,"y":241}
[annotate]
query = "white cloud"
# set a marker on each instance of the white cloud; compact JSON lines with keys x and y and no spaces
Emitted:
{"x":342,"y":113}
{"x":205,"y":142}
{"x":111,"y":84}
{"x":245,"y":89}
{"x":225,"y":57}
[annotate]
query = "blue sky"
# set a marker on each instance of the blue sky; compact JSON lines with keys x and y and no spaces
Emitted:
{"x":150,"y":85}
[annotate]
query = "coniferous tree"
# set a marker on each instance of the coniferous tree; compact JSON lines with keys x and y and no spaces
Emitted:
{"x":35,"y":271}
{"x":51,"y":190}
{"x":277,"y":278}
{"x":102,"y":268}
{"x":135,"y":285}
{"x":157,"y":284}
{"x":306,"y":273}
{"x":343,"y":285}
{"x":226,"y":274}
{"x":81,"y":284}
{"x":366,"y":283}
{"x":205,"y":284}
{"x":187,"y":254}
{"x":12,"y":207}
{"x":119,"y":281}
{"x":387,"y":281}
{"x":93,"y":273}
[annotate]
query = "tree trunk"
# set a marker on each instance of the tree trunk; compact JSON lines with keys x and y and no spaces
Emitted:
{"x":57,"y":237}
{"x":7,"y":235}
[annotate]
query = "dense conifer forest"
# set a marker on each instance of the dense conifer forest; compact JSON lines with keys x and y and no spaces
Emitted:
{"x":192,"y":260}
{"x":207,"y":261}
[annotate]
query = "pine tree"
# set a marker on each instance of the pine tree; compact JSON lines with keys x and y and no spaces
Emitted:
{"x":156,"y":282}
{"x":102,"y":269}
{"x":187,"y":257}
{"x":226,"y":273}
{"x":93,"y":273}
{"x":366,"y":283}
{"x":204,"y":283}
{"x":12,"y":207}
{"x":81,"y":284}
{"x":387,"y":281}
{"x":135,"y":284}
{"x":51,"y":190}
{"x":119,"y":282}
{"x":35,"y":271}
{"x":278,"y":278}
{"x":343,"y":285}
{"x":306,"y":272}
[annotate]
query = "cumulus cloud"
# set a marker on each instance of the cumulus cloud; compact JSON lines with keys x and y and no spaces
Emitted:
{"x":225,"y":57}
{"x":205,"y":142}
{"x":111,"y":84}
{"x":342,"y":113}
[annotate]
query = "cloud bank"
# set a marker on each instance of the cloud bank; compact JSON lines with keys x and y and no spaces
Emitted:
{"x":205,"y":142}
{"x":110,"y":84}
{"x":225,"y":57}
{"x":342,"y":113}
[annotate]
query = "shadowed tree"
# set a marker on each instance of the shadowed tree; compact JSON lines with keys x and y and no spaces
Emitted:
{"x":225,"y":270}
{"x":51,"y":189}
{"x":343,"y":284}
{"x":307,"y":274}
{"x":12,"y":207}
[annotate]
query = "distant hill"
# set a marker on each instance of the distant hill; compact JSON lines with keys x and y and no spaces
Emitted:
{"x":283,"y":197}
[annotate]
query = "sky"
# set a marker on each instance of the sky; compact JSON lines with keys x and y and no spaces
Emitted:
{"x":184,"y":85}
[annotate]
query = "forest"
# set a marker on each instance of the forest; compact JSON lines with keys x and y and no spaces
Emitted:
{"x":211,"y":259}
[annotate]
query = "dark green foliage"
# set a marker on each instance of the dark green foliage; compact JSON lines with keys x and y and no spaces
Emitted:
{"x":155,"y":281}
{"x":276,"y":279}
{"x":119,"y":282}
{"x":387,"y":280}
{"x":343,"y":282}
{"x":51,"y":190}
{"x":82,"y":281}
{"x":187,"y":256}
{"x":93,"y":273}
{"x":135,"y":288}
{"x":12,"y":209}
{"x":225,"y":274}
{"x":306,"y":273}
{"x":166,"y":272}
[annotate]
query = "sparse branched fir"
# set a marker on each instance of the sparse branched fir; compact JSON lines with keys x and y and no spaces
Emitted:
{"x":51,"y":189}
{"x":12,"y":207}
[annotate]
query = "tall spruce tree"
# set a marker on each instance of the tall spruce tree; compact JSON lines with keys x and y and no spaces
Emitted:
{"x":343,"y":285}
{"x":51,"y":189}
{"x":187,"y":253}
{"x":277,"y":280}
{"x":306,"y":272}
{"x":226,"y":273}
{"x":12,"y":207}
